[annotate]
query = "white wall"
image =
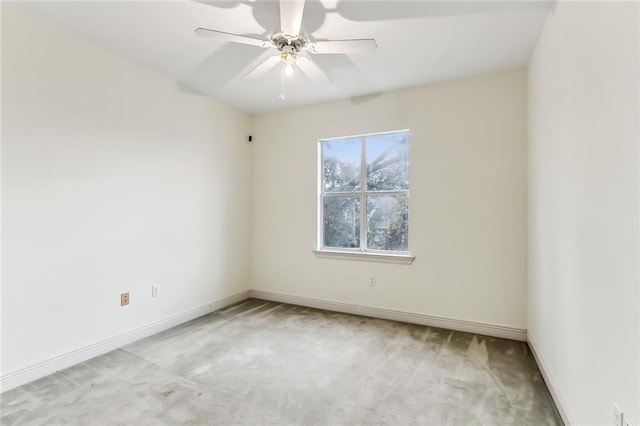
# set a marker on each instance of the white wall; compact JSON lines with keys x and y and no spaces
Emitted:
{"x":468,"y":201}
{"x":583,"y":204}
{"x":112,"y":180}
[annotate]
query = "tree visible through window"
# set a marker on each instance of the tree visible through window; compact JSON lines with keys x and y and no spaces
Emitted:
{"x":364,"y":193}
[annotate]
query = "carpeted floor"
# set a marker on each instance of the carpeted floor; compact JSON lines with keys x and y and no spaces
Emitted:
{"x":262,"y":362}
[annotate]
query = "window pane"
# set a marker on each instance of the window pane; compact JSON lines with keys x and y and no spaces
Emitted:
{"x":341,"y":222}
{"x":341,"y":165}
{"x":388,"y":222}
{"x":388,"y":161}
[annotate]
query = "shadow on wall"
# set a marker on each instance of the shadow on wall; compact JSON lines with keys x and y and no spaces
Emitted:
{"x":188,"y":90}
{"x":360,"y":100}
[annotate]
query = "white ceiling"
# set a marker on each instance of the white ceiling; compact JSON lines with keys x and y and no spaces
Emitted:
{"x":418,"y":42}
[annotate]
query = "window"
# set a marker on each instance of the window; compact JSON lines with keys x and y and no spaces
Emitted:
{"x":364,"y":193}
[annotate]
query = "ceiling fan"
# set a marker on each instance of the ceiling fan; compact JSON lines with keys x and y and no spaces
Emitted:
{"x":293,"y":45}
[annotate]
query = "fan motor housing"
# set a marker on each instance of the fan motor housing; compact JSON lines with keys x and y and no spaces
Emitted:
{"x":288,"y":44}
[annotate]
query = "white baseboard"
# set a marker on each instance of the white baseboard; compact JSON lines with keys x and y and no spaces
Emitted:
{"x":33,"y":372}
{"x":36,"y":371}
{"x":552,"y":384}
{"x":414,"y":318}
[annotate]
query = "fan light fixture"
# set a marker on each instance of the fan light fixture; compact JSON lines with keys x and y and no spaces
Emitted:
{"x":288,"y":61}
{"x":288,"y":69}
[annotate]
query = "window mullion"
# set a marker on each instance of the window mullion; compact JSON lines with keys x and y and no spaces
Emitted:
{"x":341,"y":194}
{"x":363,"y":194}
{"x":398,"y":192}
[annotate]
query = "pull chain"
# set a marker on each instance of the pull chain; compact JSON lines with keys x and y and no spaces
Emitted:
{"x":282,"y":96}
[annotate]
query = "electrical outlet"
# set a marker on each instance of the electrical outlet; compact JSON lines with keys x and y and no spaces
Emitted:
{"x":154,"y":291}
{"x":617,"y":415}
{"x":372,"y":282}
{"x":124,"y":299}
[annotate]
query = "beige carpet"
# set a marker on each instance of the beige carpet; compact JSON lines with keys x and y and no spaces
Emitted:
{"x":262,"y":362}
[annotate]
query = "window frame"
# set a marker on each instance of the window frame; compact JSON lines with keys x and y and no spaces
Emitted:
{"x":362,"y":252}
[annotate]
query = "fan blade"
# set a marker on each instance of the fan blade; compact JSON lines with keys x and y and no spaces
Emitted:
{"x":312,"y":70}
{"x":291,"y":16}
{"x":344,"y":47}
{"x":234,"y":38}
{"x":262,"y":68}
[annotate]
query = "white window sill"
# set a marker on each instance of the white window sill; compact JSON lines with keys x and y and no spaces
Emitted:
{"x":402,"y":259}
